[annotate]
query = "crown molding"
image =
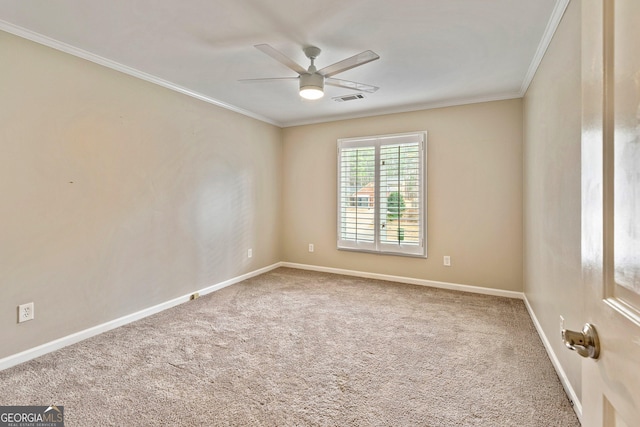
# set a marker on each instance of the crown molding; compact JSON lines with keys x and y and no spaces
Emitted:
{"x":552,"y":26}
{"x":406,"y":109}
{"x":80,"y":53}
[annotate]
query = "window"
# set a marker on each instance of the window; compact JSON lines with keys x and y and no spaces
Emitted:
{"x":382,"y":193}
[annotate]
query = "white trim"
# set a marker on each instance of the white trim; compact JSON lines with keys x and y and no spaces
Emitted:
{"x":57,"y":344}
{"x":43,"y":349}
{"x":552,"y":26}
{"x":418,"y":139}
{"x":409,"y":280}
{"x":404,"y":109}
{"x":577,"y":405}
{"x":63,"y":47}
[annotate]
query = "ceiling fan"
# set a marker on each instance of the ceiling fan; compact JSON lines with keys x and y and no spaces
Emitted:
{"x":312,"y":80}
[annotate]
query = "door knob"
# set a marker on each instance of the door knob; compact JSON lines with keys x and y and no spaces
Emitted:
{"x":586,"y":343}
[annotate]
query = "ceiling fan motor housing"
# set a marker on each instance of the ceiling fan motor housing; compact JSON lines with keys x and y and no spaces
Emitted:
{"x":311,"y":81}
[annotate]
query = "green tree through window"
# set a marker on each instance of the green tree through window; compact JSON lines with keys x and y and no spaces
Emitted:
{"x":395,"y":206}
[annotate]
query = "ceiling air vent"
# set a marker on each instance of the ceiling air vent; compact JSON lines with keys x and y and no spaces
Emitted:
{"x":348,"y":97}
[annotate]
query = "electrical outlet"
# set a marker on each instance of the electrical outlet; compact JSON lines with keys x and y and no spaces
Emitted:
{"x":311,"y":248}
{"x":194,"y":295}
{"x":561,"y":323}
{"x":25,"y":312}
{"x":249,"y":253}
{"x":447,"y":260}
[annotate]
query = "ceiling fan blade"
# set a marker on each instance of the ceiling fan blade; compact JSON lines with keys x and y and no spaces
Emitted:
{"x":281,"y":58}
{"x":269,"y":80}
{"x":351,"y":85}
{"x":349,"y":63}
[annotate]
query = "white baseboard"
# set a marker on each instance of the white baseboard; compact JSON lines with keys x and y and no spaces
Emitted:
{"x":43,"y":349}
{"x":409,"y":280}
{"x":577,"y":405}
{"x":40,"y":350}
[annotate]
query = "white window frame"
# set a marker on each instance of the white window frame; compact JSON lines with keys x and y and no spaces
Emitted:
{"x":377,"y":246}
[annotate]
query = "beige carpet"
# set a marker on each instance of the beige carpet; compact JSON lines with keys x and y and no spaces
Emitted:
{"x":298,"y":348}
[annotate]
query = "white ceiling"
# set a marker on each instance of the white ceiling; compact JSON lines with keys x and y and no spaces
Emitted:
{"x":432,"y":52}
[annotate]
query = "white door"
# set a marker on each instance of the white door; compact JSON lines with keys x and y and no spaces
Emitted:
{"x":611,"y":209}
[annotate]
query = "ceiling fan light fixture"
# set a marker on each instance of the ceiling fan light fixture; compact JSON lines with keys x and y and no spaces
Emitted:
{"x":311,"y":86}
{"x":311,"y":92}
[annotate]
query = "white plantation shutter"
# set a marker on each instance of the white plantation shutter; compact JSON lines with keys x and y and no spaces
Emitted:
{"x":382,"y":193}
{"x":357,"y":195}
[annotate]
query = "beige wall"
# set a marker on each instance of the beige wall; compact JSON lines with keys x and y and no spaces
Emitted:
{"x":552,"y":206}
{"x":118,"y":194}
{"x":474,"y":197}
